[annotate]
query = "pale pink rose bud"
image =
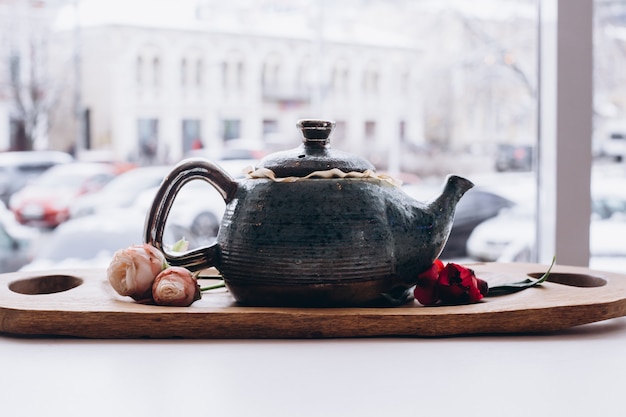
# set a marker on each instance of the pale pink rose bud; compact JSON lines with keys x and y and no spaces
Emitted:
{"x":175,"y":286}
{"x":133,"y":270}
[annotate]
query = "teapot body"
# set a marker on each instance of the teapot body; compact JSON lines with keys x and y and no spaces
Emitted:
{"x":322,"y":242}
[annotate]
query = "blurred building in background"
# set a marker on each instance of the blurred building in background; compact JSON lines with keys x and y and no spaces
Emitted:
{"x":150,"y":80}
{"x":156,"y":89}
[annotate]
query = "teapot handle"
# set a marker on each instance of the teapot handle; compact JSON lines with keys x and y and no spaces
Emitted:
{"x":182,"y":173}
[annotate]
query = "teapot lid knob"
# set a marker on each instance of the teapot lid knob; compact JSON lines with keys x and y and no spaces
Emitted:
{"x":315,"y":131}
{"x":314,"y":154}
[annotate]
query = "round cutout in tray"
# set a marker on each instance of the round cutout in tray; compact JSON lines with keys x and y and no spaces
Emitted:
{"x":48,"y":284}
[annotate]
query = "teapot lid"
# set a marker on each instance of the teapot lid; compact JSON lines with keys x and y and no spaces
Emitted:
{"x":314,"y":154}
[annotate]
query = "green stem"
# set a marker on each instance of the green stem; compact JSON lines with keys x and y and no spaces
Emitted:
{"x":514,"y":287}
{"x":213,"y":287}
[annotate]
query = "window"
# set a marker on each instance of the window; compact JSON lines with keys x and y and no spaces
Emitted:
{"x":303,"y":77}
{"x":233,"y":72}
{"x":139,"y":71}
{"x":370,"y":130}
{"x":339,"y":135}
{"x":404,"y":83}
{"x":15,"y":67}
{"x":370,"y":81}
{"x":148,"y":139}
{"x":241,"y":73}
{"x":270,"y":126}
{"x":231,"y":129}
{"x":456,"y":93}
{"x":191,"y":69}
{"x":199,"y":72}
{"x":340,"y":79}
{"x":183,"y":73}
{"x":147,"y":68}
{"x":224,"y":73}
{"x":271,"y":75}
{"x":156,"y":72}
{"x":192,"y":135}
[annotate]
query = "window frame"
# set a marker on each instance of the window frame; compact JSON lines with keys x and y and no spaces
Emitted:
{"x":565,"y":131}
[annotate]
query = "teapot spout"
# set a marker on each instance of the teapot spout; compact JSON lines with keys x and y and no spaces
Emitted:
{"x":443,"y":208}
{"x":455,"y":187}
{"x":426,"y":230}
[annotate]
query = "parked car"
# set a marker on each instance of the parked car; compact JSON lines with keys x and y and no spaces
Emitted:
{"x":238,"y":149}
{"x":121,"y":192}
{"x":614,"y":146}
{"x":91,"y":241}
{"x":234,"y":149}
{"x":20,"y":167}
{"x":105,"y":157}
{"x":45,"y":202}
{"x":198,"y":208}
{"x":609,"y":197}
{"x":510,"y":236}
{"x":477,"y":205}
{"x":17,"y":242}
{"x":513,"y":229}
{"x":514,"y":157}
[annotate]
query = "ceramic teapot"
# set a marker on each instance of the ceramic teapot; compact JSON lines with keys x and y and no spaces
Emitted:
{"x":312,"y":226}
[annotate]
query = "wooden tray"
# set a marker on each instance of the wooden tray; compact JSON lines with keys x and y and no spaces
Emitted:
{"x":81,"y":303}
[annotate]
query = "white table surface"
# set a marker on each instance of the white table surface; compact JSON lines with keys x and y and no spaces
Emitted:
{"x":576,"y":372}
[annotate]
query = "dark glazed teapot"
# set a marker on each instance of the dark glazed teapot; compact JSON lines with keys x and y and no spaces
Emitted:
{"x":312,"y":226}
